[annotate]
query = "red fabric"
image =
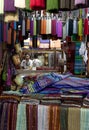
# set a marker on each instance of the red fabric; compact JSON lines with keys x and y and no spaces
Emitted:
{"x":37,"y":4}
{"x":86,"y":27}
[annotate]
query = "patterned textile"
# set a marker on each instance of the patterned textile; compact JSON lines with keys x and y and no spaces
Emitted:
{"x":31,"y":114}
{"x":43,"y":117}
{"x":84,"y":119}
{"x":73,"y":118}
{"x":63,"y":118}
{"x":21,"y":117}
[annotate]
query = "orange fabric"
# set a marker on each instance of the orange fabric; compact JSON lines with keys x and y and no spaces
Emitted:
{"x":28,"y":24}
{"x":9,"y":36}
{"x":43,"y":26}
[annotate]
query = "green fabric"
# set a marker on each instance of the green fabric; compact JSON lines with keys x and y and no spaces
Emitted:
{"x":27,"y":5}
{"x":34,"y":30}
{"x":21,"y":117}
{"x":80,"y":27}
{"x":52,"y":5}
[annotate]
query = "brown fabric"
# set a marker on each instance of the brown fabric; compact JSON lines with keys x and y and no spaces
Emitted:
{"x":43,"y":26}
{"x":54,"y":118}
{"x":28,"y":24}
{"x":31,"y":112}
{"x":9,"y":35}
{"x":73,"y":118}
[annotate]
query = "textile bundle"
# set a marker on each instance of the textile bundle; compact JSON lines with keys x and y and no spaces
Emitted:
{"x":16,"y":114}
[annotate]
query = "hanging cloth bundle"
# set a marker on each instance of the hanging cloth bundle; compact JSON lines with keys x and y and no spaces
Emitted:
{"x":37,"y":4}
{"x":1,"y":6}
{"x":52,"y":5}
{"x":9,"y":6}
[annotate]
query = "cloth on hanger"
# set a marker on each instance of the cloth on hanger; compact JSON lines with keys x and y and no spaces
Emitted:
{"x":37,"y":4}
{"x":1,"y":6}
{"x":59,"y":28}
{"x":9,"y":6}
{"x":52,"y":5}
{"x":19,"y":4}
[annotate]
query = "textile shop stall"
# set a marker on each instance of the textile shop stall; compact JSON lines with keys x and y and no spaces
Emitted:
{"x":54,"y":96}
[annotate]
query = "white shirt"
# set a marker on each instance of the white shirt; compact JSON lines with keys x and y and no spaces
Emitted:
{"x":26,"y":64}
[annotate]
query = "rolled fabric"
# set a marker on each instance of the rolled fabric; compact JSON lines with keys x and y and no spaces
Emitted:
{"x":80,"y":27}
{"x":54,"y":27}
{"x":86,"y":27}
{"x":59,"y":29}
{"x":77,"y":2}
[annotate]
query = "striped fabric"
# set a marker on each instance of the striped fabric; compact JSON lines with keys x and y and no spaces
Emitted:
{"x":84,"y":119}
{"x":21,"y":117}
{"x":73,"y":118}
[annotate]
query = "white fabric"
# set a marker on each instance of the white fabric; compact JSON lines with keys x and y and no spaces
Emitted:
{"x":48,"y":26}
{"x":37,"y":63}
{"x":1,"y":6}
{"x":19,"y":3}
{"x":75,"y":26}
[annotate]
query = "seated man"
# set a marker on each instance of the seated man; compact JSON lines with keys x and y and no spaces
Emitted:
{"x":27,"y":63}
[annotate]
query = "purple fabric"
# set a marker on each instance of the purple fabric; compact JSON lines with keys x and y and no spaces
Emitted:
{"x":9,"y":6}
{"x":31,"y":27}
{"x":44,"y":41}
{"x":59,"y":29}
{"x":54,"y":27}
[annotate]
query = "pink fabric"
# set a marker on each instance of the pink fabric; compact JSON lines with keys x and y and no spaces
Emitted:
{"x":77,"y":2}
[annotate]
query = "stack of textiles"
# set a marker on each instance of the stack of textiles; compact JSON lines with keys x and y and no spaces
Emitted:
{"x":86,"y":101}
{"x":72,"y":100}
{"x":17,"y":113}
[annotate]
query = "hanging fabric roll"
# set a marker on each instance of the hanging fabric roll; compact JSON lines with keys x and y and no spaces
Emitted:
{"x":86,"y":27}
{"x":31,"y":27}
{"x":54,"y":27}
{"x":70,"y":31}
{"x":27,"y":24}
{"x":1,"y":6}
{"x":1,"y":31}
{"x":80,"y":3}
{"x":9,"y":6}
{"x":43,"y":26}
{"x":48,"y":26}
{"x":38,"y":27}
{"x":19,"y":4}
{"x":23,"y":27}
{"x":34,"y":26}
{"x":52,"y":5}
{"x":80,"y":27}
{"x":27,"y":2}
{"x":64,"y":4}
{"x":5,"y":32}
{"x":75,"y":26}
{"x":59,"y":29}
{"x":37,"y":4}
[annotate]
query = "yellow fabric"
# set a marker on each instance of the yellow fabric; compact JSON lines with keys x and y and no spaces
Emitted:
{"x":11,"y":17}
{"x":80,"y":27}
